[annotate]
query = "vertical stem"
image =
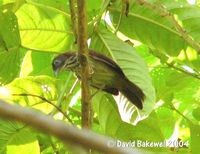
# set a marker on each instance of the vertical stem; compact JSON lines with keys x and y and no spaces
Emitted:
{"x":83,"y":57}
{"x":73,"y":18}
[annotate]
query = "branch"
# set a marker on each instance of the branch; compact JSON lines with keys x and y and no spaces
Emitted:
{"x":83,"y":58}
{"x":64,"y":90}
{"x":172,"y":65}
{"x":160,"y":9}
{"x":66,"y":133}
{"x":177,"y":111}
{"x":183,"y":71}
{"x":46,"y":100}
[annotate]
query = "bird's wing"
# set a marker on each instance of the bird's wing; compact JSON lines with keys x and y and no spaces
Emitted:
{"x":108,"y":61}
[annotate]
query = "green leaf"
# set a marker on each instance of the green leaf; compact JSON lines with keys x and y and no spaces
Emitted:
{"x":3,"y":2}
{"x":43,"y":28}
{"x":10,"y":66}
{"x":147,"y":26}
{"x":109,"y":116}
{"x":127,"y":58}
{"x":190,"y":94}
{"x":138,"y":132}
{"x":191,"y":58}
{"x":37,"y":63}
{"x":11,"y":5}
{"x":176,"y":88}
{"x":10,"y":43}
{"x":3,"y":47}
{"x":44,"y":140}
{"x":15,"y":139}
{"x":9,"y":30}
{"x":196,"y":113}
{"x":6,"y":4}
{"x":165,"y":81}
{"x":93,"y":5}
{"x":110,"y":121}
{"x":43,"y":86}
{"x":188,"y":15}
{"x":150,"y":59}
{"x":195,"y":138}
{"x":167,"y":121}
{"x":61,"y":5}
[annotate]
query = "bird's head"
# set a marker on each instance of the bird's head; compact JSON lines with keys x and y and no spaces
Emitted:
{"x":65,"y":61}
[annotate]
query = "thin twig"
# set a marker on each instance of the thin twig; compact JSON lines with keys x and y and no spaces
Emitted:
{"x":62,"y":93}
{"x":72,"y":89}
{"x":177,"y":111}
{"x":46,"y":100}
{"x":183,"y":71}
{"x":195,"y":75}
{"x":61,"y":96}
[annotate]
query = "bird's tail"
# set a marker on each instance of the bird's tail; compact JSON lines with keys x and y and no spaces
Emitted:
{"x":133,"y":93}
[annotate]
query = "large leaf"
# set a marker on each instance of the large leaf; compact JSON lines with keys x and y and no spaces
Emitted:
{"x":44,"y":29}
{"x":178,"y":89}
{"x":60,"y":5}
{"x":42,"y":86}
{"x":9,"y":30}
{"x":131,"y":63}
{"x":15,"y":139}
{"x":167,"y":121}
{"x":10,"y":43}
{"x":165,"y":81}
{"x":113,"y":125}
{"x":149,"y":27}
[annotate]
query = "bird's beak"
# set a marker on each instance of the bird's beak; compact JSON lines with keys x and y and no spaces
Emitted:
{"x":56,"y":72}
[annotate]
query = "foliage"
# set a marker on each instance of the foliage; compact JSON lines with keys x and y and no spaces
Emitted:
{"x":156,"y":45}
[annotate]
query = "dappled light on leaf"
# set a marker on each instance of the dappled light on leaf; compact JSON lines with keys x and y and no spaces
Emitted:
{"x":155,"y":43}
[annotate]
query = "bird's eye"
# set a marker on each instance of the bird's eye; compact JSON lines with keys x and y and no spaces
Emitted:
{"x":57,"y":62}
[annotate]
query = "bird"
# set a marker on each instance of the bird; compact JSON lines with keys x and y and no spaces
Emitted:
{"x":105,"y":74}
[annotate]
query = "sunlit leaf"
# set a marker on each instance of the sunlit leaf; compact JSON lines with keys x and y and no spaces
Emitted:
{"x":43,"y":86}
{"x":196,"y":113}
{"x":149,"y":27}
{"x":14,"y":138}
{"x":44,"y":29}
{"x":10,"y":42}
